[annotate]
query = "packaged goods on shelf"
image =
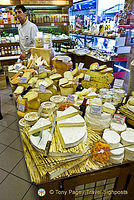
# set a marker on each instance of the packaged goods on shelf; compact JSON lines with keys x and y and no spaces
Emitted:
{"x":39,"y":40}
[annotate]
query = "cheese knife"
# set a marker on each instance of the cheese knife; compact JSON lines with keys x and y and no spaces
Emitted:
{"x":50,"y":139}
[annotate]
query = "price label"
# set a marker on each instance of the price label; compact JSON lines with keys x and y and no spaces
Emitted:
{"x":13,"y":25}
{"x":42,"y":88}
{"x":16,"y":67}
{"x":96,"y":109}
{"x":40,"y":110}
{"x":65,"y":24}
{"x":80,"y":66}
{"x":118,"y":83}
{"x":87,"y":77}
{"x":41,"y":68}
{"x":21,"y":107}
{"x":52,"y":24}
{"x":70,"y":98}
{"x":23,"y":80}
{"x":120,"y":119}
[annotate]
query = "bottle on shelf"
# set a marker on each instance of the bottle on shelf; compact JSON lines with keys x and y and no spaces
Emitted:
{"x":83,"y":107}
{"x":79,"y":87}
{"x":2,"y":51}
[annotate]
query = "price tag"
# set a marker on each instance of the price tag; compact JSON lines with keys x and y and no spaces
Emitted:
{"x":40,"y":110}
{"x":23,"y":80}
{"x":87,"y":77}
{"x":96,"y":109}
{"x":17,"y":68}
{"x":52,"y":24}
{"x":80,"y":66}
{"x":41,"y":68}
{"x":13,"y":25}
{"x":70,"y":98}
{"x":120,"y":119}
{"x":65,"y":24}
{"x":21,"y":107}
{"x":42,"y":88}
{"x":118,"y":83}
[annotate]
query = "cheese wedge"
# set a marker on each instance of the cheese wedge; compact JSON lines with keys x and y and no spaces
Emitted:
{"x":109,"y":108}
{"x":31,"y":96}
{"x":74,"y":121}
{"x":71,"y":136}
{"x":75,"y":71}
{"x":41,"y":123}
{"x":47,"y":82}
{"x":94,"y":66}
{"x":63,"y":81}
{"x":19,"y":90}
{"x":69,"y":112}
{"x":55,"y":76}
{"x":68,"y":75}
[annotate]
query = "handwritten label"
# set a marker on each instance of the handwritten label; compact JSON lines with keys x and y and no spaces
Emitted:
{"x":120,"y":119}
{"x":118,"y":83}
{"x":21,"y":107}
{"x":23,"y":80}
{"x":41,"y":68}
{"x":96,"y":109}
{"x":70,"y":98}
{"x":87,"y":77}
{"x":42,"y":88}
{"x":80,"y":66}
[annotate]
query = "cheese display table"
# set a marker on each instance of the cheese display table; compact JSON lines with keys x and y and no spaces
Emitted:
{"x":65,"y":152}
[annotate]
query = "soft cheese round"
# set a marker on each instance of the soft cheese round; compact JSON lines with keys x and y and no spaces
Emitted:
{"x":115,"y":160}
{"x":112,"y":138}
{"x":127,"y":137}
{"x":118,"y":127}
{"x":119,"y":151}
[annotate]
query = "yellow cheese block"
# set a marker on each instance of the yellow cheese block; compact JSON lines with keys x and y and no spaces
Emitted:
{"x":75,"y":71}
{"x":65,"y":91}
{"x":94,"y":66}
{"x":68,"y":75}
{"x":27,"y":75}
{"x":53,"y":89}
{"x":99,"y":77}
{"x":45,"y":96}
{"x":32,"y":81}
{"x":42,"y":75}
{"x":97,"y":85}
{"x":21,"y":101}
{"x":34,"y":104}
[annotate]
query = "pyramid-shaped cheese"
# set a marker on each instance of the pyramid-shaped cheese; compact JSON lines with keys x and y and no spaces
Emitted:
{"x":76,"y":120}
{"x":41,"y":123}
{"x":71,"y":136}
{"x":69,"y":112}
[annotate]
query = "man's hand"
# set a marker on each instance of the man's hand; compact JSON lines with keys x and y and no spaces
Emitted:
{"x":23,"y":56}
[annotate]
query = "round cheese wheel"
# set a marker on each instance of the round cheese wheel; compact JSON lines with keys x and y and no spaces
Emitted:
{"x":118,"y":127}
{"x":112,"y":138}
{"x":118,"y":152}
{"x":127,"y":137}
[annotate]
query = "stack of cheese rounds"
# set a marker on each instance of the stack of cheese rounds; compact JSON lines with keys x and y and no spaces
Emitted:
{"x":119,"y":128}
{"x":127,"y":138}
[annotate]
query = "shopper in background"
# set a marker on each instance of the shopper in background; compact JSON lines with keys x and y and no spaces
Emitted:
{"x":27,"y":31}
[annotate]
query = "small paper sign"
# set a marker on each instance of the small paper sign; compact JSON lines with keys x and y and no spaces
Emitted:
{"x":87,"y":77}
{"x":120,"y":119}
{"x":70,"y":98}
{"x":65,"y":24}
{"x":21,"y":107}
{"x":118,"y":83}
{"x":80,"y":66}
{"x":16,"y":67}
{"x":41,"y":68}
{"x":96,"y":109}
{"x":40,"y":110}
{"x":42,"y":88}
{"x":23,"y":80}
{"x":52,"y":24}
{"x":13,"y":25}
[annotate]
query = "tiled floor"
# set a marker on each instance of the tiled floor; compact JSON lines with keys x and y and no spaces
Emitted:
{"x":15,"y":182}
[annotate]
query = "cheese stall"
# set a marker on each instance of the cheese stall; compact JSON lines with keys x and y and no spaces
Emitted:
{"x":68,"y":143}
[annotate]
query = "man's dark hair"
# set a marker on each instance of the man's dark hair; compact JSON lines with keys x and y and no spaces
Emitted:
{"x":21,"y":7}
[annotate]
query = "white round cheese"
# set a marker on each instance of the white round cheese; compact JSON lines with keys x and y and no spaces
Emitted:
{"x":118,"y":127}
{"x":129,"y":157}
{"x":127,"y":137}
{"x":112,"y":138}
{"x":118,"y":160}
{"x":118,"y":152}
